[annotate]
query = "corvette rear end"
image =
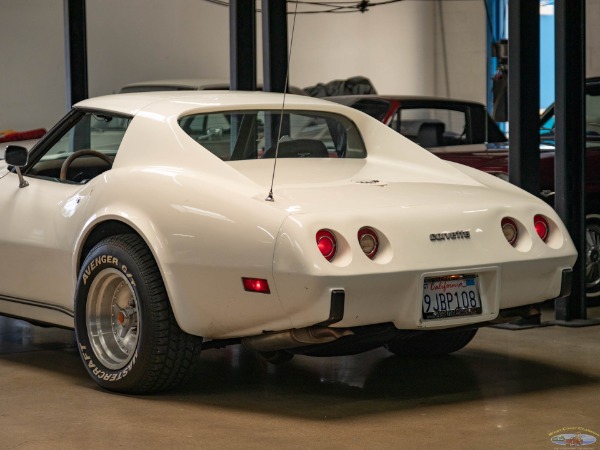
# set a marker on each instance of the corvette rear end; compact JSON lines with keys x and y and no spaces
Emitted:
{"x":419,"y":256}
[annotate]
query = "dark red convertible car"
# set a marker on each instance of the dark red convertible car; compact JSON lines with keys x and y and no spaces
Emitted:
{"x":463,"y":132}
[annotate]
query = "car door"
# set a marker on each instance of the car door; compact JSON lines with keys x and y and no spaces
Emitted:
{"x":40,"y":222}
{"x":38,"y":228}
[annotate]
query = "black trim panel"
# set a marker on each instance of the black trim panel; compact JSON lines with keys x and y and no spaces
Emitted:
{"x":37,"y":304}
{"x":566,"y":283}
{"x":336,"y":312}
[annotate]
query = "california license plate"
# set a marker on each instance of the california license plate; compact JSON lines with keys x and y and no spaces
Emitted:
{"x":451,"y":296}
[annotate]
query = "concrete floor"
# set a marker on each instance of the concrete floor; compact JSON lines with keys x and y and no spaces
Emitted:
{"x":506,"y":390}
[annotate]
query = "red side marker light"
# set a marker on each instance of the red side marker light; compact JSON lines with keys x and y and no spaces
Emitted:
{"x":256,"y":285}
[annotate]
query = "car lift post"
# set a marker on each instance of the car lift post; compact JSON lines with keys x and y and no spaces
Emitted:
{"x":76,"y":51}
{"x":523,"y":112}
{"x":275,"y":59}
{"x":524,"y":94}
{"x":570,"y":150}
{"x":242,"y":53}
{"x":242,"y":45}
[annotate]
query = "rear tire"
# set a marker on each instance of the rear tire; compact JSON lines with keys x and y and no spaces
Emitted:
{"x":431,"y":343}
{"x":592,"y":256}
{"x":126,"y":332}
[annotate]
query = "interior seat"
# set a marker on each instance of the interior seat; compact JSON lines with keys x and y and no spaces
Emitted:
{"x":431,"y":134}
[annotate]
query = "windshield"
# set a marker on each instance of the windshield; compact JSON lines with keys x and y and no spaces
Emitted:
{"x":240,"y":135}
{"x":99,"y":131}
{"x":84,"y":146}
{"x":375,"y":107}
{"x":592,"y":117}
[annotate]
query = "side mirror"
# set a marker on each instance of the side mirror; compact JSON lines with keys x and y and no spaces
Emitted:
{"x":15,"y":155}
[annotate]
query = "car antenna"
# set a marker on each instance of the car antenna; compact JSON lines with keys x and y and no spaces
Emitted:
{"x":270,"y":197}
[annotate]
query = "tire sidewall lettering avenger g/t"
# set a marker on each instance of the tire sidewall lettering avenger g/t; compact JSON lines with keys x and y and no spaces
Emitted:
{"x":111,"y":316}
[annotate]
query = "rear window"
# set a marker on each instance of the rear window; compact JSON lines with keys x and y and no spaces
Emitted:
{"x":376,"y":108}
{"x":240,"y":135}
{"x":592,"y":117}
{"x":431,"y":127}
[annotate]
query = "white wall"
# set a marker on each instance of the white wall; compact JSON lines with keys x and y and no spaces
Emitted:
{"x":460,"y":50}
{"x":392,"y":45}
{"x":137,"y":40}
{"x":32,"y":69}
{"x":398,"y":46}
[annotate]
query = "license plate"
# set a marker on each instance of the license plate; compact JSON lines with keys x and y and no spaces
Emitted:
{"x":451,"y":296}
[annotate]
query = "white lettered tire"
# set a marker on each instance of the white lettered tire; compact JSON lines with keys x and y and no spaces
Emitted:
{"x":126,"y":332}
{"x":592,"y":257}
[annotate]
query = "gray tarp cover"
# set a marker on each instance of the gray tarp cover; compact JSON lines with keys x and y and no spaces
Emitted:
{"x":350,"y":86}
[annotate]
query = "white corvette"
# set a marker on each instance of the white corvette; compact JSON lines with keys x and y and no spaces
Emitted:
{"x":158,"y":224}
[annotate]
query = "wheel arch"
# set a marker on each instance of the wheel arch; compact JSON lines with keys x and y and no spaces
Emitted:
{"x":112,"y":225}
{"x":99,"y":232}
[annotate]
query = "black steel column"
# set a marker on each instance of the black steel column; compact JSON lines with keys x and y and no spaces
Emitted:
{"x":570,"y":143}
{"x":242,"y":45}
{"x":524,"y":94}
{"x":76,"y":51}
{"x":275,"y":61}
{"x":275,"y":44}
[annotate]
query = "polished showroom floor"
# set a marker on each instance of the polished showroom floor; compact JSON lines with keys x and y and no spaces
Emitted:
{"x":506,"y":390}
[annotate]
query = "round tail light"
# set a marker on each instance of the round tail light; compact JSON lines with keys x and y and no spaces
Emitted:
{"x":541,"y":227}
{"x":326,"y":243}
{"x":510,"y":230}
{"x":368,"y":240}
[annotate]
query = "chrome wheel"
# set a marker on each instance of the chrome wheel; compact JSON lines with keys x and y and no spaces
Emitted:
{"x":127,"y":334}
{"x":113,"y":319}
{"x":592,"y":256}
